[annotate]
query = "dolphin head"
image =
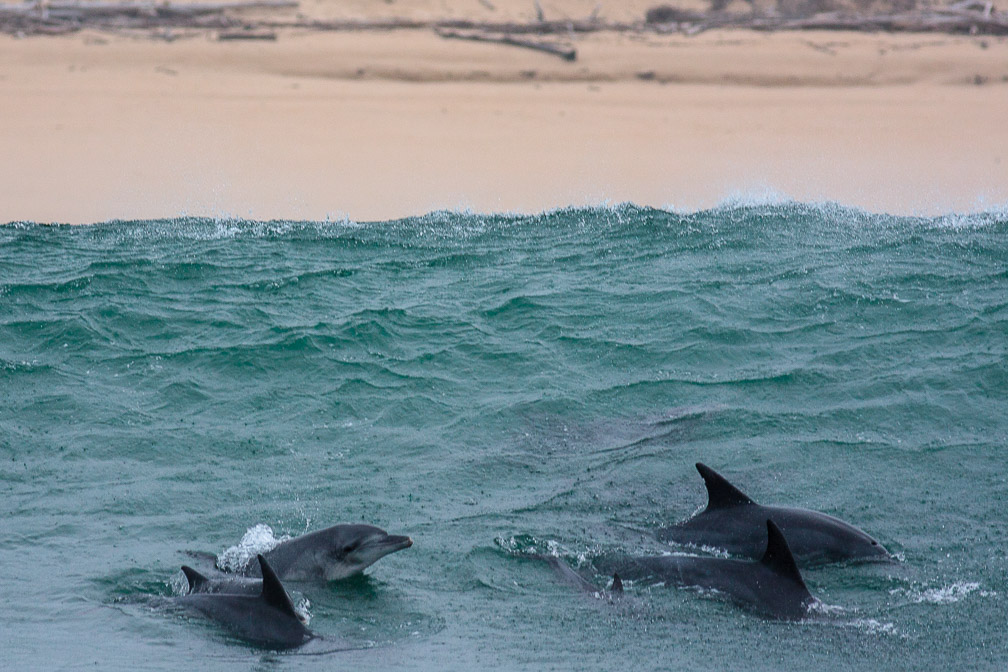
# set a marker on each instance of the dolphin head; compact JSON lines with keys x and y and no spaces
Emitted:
{"x":349,"y":549}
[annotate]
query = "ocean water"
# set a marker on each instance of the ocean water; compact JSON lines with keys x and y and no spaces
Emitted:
{"x":495,"y":387}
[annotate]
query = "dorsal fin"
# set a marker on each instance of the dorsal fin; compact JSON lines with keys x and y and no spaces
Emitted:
{"x":273,"y":591}
{"x":194,"y":578}
{"x":778,"y":555}
{"x":617,"y":585}
{"x":721,"y":493}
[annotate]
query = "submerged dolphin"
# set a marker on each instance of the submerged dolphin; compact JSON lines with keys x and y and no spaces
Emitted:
{"x":575,"y":580}
{"x":331,"y":554}
{"x":267,"y":619}
{"x":772,"y":585}
{"x":735,"y":523}
{"x":230,"y":584}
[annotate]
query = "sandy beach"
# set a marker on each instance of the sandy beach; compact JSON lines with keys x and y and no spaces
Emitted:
{"x":386,"y":124}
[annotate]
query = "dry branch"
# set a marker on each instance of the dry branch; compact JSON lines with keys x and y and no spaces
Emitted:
{"x":566,"y":53}
{"x":63,"y":16}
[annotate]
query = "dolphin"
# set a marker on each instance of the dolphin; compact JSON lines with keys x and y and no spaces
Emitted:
{"x":771,"y":586}
{"x":267,"y":619}
{"x":331,"y":554}
{"x":220,"y":582}
{"x":575,"y":580}
{"x":734,"y":522}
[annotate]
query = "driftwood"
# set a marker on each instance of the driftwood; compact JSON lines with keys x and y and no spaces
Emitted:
{"x":907,"y":22}
{"x":968,"y":16}
{"x":57,"y":16}
{"x":247,"y":34}
{"x":83,"y":10}
{"x":566,"y":53}
{"x":53,"y":17}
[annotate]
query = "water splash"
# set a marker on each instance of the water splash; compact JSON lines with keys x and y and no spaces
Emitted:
{"x":948,"y":594}
{"x":257,"y":539}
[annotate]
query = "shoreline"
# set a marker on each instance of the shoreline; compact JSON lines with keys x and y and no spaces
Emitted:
{"x":375,"y":126}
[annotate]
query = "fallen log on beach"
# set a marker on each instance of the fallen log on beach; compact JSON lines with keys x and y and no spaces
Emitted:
{"x":68,"y":16}
{"x":50,"y":17}
{"x":566,"y":53}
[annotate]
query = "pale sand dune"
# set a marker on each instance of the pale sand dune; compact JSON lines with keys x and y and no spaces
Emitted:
{"x":378,"y":125}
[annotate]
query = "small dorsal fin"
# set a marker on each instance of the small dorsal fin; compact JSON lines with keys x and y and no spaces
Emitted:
{"x":721,"y":493}
{"x":778,"y":555}
{"x":617,"y":585}
{"x":273,"y":591}
{"x":194,"y":578}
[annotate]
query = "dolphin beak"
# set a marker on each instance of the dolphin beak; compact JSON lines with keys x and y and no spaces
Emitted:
{"x":390,"y":543}
{"x":397,"y":542}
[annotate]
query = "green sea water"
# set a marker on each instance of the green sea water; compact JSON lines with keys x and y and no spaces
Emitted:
{"x":494,"y":387}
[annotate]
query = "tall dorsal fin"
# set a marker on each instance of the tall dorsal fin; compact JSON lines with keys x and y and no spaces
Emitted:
{"x":617,"y":585}
{"x":194,"y":578}
{"x":273,"y":591}
{"x":720,"y":493}
{"x":778,"y":555}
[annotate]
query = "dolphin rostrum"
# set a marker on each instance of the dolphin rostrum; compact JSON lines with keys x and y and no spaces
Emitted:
{"x":267,"y":619}
{"x":734,"y":522}
{"x":771,"y":586}
{"x":331,"y":554}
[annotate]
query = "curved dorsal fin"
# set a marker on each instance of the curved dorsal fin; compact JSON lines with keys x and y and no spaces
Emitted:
{"x":273,"y":591}
{"x":617,"y":585}
{"x":194,"y":578}
{"x":778,"y":555}
{"x":720,"y":493}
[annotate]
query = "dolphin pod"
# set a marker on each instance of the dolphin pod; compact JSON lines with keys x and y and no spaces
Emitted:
{"x":769,"y":542}
{"x":771,"y":586}
{"x":734,"y":522}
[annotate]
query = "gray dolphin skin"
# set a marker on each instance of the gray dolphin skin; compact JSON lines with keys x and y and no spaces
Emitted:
{"x":220,"y":582}
{"x":772,"y":586}
{"x":267,"y":619}
{"x":734,"y":522}
{"x":335,"y":553}
{"x":575,"y":580}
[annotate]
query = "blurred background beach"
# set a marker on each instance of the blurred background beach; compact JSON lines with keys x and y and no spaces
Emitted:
{"x":368,"y":109}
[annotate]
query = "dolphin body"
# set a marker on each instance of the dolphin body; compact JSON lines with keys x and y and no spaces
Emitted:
{"x":331,"y":554}
{"x":267,"y":619}
{"x":771,"y":586}
{"x":220,"y":582}
{"x":574,"y":580}
{"x":734,"y":522}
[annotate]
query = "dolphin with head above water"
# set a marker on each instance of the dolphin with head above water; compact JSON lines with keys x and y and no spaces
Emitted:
{"x":331,"y":554}
{"x":266,"y":619}
{"x":734,"y":522}
{"x":771,"y":586}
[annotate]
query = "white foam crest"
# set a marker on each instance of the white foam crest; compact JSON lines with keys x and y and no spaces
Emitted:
{"x":819,"y":607}
{"x":949,"y":594}
{"x":755,"y":197}
{"x":715,"y":551}
{"x":837,"y":614}
{"x":874,"y":626}
{"x":303,"y":609}
{"x":178,"y":583}
{"x":257,"y":539}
